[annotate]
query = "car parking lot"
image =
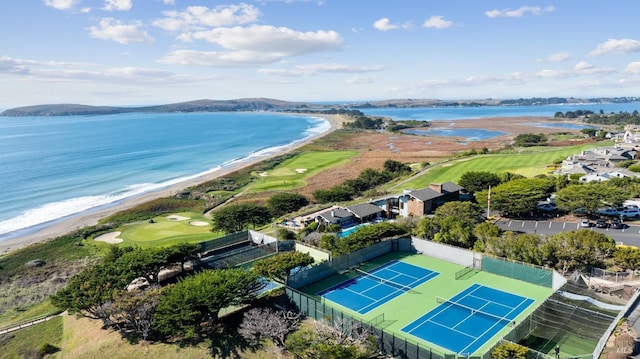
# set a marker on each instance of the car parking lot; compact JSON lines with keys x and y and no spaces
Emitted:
{"x":623,"y":233}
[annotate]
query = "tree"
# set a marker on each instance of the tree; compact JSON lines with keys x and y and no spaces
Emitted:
{"x":519,"y":196}
{"x":453,"y":223}
{"x":187,"y":308}
{"x":364,"y":237}
{"x":589,"y":197}
{"x":89,"y":290}
{"x":182,"y":253}
{"x":396,"y":168}
{"x":235,"y":218}
{"x":282,"y":203}
{"x":344,"y":340}
{"x":508,"y":350}
{"x":132,"y":312}
{"x":530,"y":139}
{"x":264,"y":323}
{"x":573,"y":250}
{"x":334,"y":194}
{"x":627,"y":258}
{"x":474,"y":181}
{"x":279,"y":267}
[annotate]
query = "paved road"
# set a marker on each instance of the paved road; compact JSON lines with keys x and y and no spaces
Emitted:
{"x":629,"y":235}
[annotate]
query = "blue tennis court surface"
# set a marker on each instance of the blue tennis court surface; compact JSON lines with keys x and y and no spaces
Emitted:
{"x":467,"y":321}
{"x":366,"y":292}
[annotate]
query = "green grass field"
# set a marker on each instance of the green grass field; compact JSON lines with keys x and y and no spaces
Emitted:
{"x":408,"y":307}
{"x":164,"y":232}
{"x":529,"y":164}
{"x":293,"y":172}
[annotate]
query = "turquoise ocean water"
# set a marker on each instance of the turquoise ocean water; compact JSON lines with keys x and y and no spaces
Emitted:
{"x":56,"y":167}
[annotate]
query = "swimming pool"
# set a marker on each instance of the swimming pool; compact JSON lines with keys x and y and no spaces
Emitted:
{"x":347,"y":231}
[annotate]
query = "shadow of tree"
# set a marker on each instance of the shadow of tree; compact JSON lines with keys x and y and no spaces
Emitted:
{"x":225,"y":342}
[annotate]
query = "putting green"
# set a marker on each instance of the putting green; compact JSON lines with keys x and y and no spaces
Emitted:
{"x":293,"y":172}
{"x":166,"y":232}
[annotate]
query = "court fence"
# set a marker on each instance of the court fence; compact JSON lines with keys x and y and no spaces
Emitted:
{"x":388,"y":343}
{"x":222,"y":242}
{"x":615,"y":277}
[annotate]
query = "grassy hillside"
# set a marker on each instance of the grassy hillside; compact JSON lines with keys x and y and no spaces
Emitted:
{"x":529,"y":164}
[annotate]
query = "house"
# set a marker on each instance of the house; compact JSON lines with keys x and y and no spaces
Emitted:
{"x":365,"y":212}
{"x":426,"y":200}
{"x":409,"y":203}
{"x":339,"y":216}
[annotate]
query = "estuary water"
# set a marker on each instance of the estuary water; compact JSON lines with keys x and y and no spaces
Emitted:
{"x":60,"y":166}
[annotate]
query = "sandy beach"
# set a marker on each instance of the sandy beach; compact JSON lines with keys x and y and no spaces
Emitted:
{"x":88,"y":219}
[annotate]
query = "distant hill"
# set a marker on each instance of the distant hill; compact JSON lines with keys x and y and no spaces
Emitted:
{"x":246,"y":104}
{"x":267,"y":104}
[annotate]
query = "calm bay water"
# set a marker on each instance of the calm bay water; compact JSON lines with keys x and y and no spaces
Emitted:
{"x":54,"y":167}
{"x":460,"y":113}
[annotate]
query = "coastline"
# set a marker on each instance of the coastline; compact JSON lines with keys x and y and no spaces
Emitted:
{"x":90,"y":218}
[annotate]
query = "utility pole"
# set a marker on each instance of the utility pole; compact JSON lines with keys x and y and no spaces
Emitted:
{"x":489,"y":202}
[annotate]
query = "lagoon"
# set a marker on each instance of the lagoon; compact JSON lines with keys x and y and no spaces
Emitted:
{"x":469,"y":134}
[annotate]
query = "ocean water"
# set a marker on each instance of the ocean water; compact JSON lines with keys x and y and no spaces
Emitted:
{"x":55,"y":167}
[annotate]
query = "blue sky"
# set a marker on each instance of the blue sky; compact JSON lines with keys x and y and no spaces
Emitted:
{"x":139,"y":52}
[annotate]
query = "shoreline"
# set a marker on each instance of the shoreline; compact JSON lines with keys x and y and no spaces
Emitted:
{"x":84,"y":219}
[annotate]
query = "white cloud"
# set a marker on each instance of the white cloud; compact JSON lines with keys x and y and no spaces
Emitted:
{"x":313,"y":69}
{"x":115,"y":30}
{"x":359,"y":80}
{"x":199,"y":17}
{"x":218,"y":59}
{"x":169,"y":2}
{"x":85,"y":10}
{"x":583,"y":65}
{"x":633,"y":68}
{"x":52,"y":70}
{"x":534,"y":10}
{"x":437,"y":22}
{"x":61,"y":4}
{"x":278,"y":41}
{"x":558,"y":57}
{"x":621,"y":46}
{"x":118,"y":5}
{"x":384,"y":24}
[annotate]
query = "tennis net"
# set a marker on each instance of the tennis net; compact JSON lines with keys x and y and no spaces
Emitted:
{"x":388,"y":282}
{"x":473,"y":311}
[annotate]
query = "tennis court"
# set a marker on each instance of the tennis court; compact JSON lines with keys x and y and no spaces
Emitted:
{"x":371,"y":289}
{"x":468,"y":320}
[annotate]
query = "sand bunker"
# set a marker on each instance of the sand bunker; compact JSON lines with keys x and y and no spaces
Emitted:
{"x":111,"y":238}
{"x":263,"y":174}
{"x":175,"y":217}
{"x":301,"y":170}
{"x":199,"y":223}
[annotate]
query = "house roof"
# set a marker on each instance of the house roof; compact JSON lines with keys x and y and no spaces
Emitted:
{"x":425,"y":194}
{"x":451,"y":187}
{"x":335,"y":214}
{"x":362,"y":210}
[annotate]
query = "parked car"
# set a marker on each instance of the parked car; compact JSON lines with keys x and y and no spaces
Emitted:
{"x":616,"y":224}
{"x":547,"y":207}
{"x":630,"y":213}
{"x":608,"y":211}
{"x":601,"y":223}
{"x":585,"y":223}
